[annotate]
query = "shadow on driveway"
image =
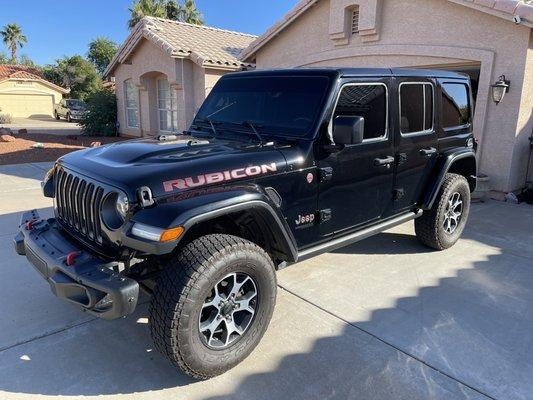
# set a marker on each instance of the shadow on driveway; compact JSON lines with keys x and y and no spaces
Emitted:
{"x":463,"y":332}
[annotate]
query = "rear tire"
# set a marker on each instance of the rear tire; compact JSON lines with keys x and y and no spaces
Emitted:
{"x":197,"y":277}
{"x":56,"y":115}
{"x":441,"y":227}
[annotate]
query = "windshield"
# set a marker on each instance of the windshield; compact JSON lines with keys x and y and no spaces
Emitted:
{"x":75,"y":103}
{"x":286,"y":105}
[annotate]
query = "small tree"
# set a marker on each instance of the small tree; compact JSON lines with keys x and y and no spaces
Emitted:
{"x":101,"y":52}
{"x":101,"y":114}
{"x":76,"y":74}
{"x":13,"y":38}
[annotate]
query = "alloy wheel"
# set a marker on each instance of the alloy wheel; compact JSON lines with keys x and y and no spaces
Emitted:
{"x":228,"y":311}
{"x":453,"y":212}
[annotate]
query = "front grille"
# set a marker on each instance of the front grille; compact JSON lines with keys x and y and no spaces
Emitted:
{"x":78,"y":203}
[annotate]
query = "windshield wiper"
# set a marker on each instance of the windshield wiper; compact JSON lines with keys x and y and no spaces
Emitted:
{"x":253,"y":126}
{"x":210,"y":122}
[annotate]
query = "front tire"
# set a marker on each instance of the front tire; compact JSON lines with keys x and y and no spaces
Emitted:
{"x":212,"y":304}
{"x":441,"y":227}
{"x":56,"y":115}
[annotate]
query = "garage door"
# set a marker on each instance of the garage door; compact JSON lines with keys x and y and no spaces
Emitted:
{"x":27,"y":105}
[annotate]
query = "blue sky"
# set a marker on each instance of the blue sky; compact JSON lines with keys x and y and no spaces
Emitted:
{"x":59,"y":27}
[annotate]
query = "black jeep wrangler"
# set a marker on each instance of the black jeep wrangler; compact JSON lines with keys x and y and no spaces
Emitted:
{"x":277,"y":166}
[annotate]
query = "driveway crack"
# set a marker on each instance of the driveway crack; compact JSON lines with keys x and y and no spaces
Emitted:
{"x":414,"y":357}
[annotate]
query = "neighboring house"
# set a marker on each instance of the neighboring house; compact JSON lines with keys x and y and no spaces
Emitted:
{"x":483,"y":38}
{"x":25,"y":93}
{"x":164,"y":70}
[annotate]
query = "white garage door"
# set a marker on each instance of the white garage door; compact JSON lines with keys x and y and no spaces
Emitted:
{"x":27,"y":105}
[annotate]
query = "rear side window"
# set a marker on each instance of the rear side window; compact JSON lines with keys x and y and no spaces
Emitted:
{"x":455,"y":105}
{"x":368,"y":101}
{"x":416,"y":107}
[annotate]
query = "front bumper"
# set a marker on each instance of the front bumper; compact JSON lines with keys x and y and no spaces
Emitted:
{"x":88,"y":282}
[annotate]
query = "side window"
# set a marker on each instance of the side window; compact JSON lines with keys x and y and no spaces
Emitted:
{"x":130,"y":104}
{"x":416,"y":107}
{"x":455,"y":105}
{"x":368,"y":101}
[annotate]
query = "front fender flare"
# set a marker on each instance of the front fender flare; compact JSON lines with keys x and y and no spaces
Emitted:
{"x":207,"y":205}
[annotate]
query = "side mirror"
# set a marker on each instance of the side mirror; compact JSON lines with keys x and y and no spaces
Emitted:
{"x":348,"y":129}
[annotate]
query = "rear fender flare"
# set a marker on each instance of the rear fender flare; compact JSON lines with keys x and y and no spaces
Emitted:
{"x":442,"y":168}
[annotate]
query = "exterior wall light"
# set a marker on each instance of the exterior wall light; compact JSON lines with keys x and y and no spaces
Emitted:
{"x":499,"y":89}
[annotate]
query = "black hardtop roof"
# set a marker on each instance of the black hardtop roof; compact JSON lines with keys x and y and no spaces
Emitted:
{"x":354,"y":72}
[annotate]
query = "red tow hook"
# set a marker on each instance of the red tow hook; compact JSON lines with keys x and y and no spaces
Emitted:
{"x":71,"y":257}
{"x":30,"y":223}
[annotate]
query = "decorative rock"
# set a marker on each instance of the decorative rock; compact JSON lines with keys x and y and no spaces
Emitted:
{"x":7,"y":138}
{"x":38,"y":145}
{"x":23,"y":131}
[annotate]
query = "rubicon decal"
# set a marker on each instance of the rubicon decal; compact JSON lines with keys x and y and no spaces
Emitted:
{"x":218,"y":177}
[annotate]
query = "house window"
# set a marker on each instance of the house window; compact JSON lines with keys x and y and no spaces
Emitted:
{"x":355,"y":20}
{"x":130,"y":101}
{"x":455,"y":105}
{"x":366,"y":100}
{"x":167,"y":108}
{"x":416,"y":107}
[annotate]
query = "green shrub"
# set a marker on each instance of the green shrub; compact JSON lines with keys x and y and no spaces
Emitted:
{"x":6,"y":119}
{"x":101,"y":115}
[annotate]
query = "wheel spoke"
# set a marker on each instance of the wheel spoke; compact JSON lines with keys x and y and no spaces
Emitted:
{"x":211,"y":324}
{"x":233,"y":328}
{"x":244,"y":303}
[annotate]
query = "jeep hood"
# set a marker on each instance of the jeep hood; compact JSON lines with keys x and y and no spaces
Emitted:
{"x":174,"y":166}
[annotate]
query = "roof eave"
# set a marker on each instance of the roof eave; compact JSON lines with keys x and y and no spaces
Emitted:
{"x":43,"y":81}
{"x":522,"y":9}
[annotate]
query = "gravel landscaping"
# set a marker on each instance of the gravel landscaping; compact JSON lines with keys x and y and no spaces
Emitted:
{"x":19,"y":149}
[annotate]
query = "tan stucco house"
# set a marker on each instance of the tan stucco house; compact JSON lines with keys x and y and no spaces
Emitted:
{"x":164,"y":70}
{"x":25,"y":93}
{"x":483,"y":38}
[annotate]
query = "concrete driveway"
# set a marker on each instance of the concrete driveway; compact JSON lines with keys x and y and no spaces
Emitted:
{"x":46,"y":125}
{"x":383,"y":319}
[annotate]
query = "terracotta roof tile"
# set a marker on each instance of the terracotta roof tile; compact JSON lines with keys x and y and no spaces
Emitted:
{"x":8,"y":71}
{"x":19,"y":71}
{"x":204,"y":45}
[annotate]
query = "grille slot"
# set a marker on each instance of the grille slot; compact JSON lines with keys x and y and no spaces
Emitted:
{"x":78,"y":203}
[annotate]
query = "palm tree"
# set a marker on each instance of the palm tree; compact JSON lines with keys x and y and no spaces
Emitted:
{"x":189,"y":13}
{"x":13,"y":38}
{"x":145,"y":8}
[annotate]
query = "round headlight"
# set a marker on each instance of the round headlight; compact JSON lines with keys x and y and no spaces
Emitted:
{"x":122,"y":205}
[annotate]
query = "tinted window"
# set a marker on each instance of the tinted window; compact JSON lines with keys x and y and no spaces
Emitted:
{"x":367,"y":101}
{"x":455,"y":105}
{"x":287,"y":104}
{"x":416,"y":103}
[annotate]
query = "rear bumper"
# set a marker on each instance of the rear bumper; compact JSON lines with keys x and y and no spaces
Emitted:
{"x":88,"y":283}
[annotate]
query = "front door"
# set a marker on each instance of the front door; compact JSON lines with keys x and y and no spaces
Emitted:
{"x":416,"y":140}
{"x":356,"y":181}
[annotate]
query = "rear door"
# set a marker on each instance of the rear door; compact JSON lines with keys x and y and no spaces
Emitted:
{"x":356,"y":181}
{"x":416,"y":139}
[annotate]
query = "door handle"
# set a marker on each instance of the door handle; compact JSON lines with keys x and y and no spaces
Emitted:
{"x":379,"y":162}
{"x":428,"y":152}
